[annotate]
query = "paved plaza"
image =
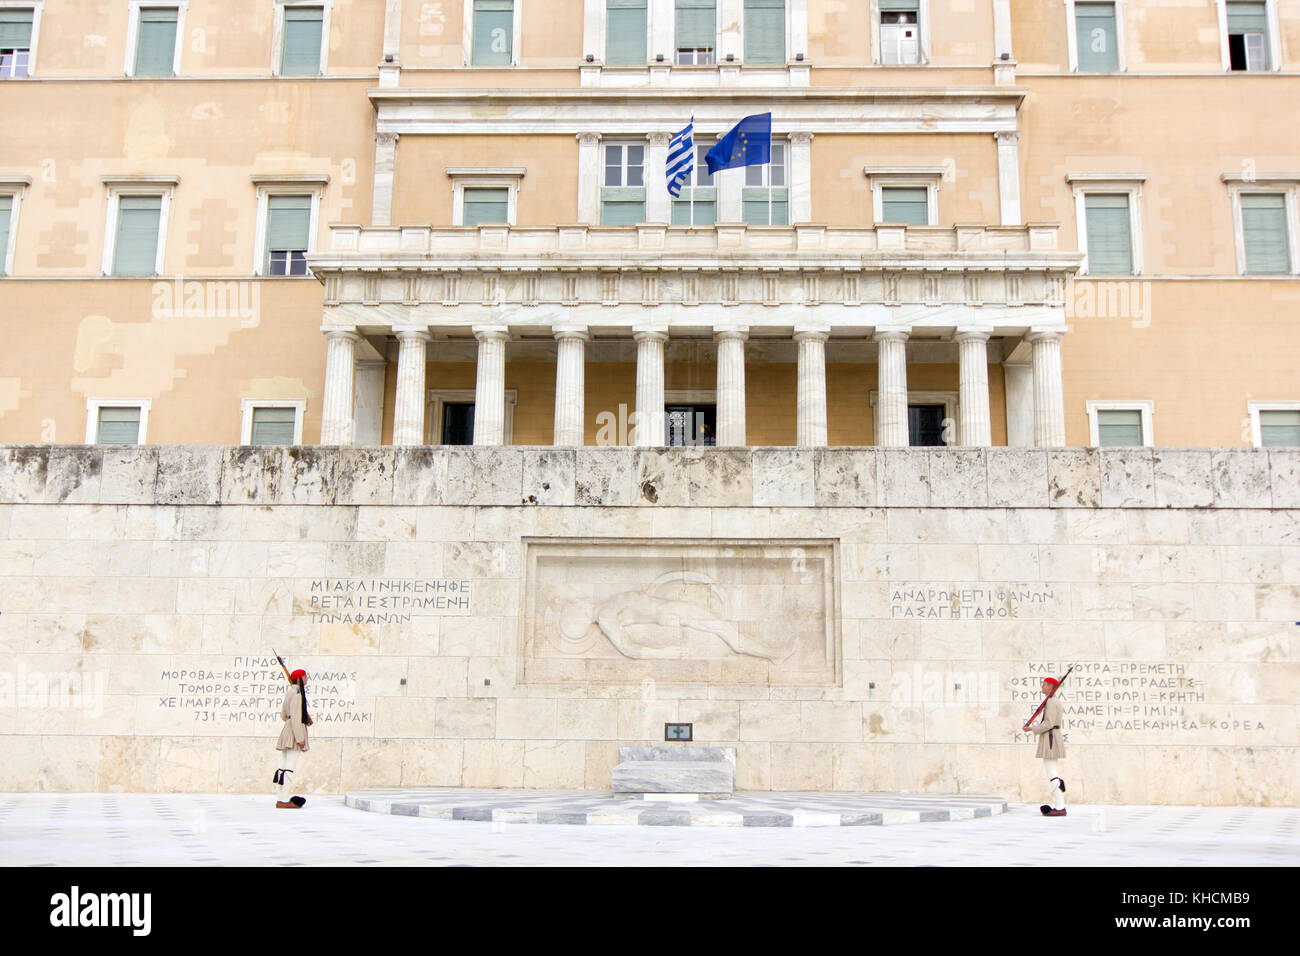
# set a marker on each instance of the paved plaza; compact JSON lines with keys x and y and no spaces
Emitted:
{"x":203,"y":830}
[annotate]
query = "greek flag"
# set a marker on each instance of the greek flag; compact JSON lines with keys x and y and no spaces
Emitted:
{"x":681,"y":158}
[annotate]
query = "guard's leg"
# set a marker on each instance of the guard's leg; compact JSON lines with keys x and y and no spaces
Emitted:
{"x":1055,"y":783}
{"x":290,"y":760}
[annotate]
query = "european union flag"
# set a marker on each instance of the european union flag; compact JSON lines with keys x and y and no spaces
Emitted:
{"x":748,"y":144}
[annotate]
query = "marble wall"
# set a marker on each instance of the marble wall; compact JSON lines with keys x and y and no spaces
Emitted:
{"x":845,"y":618}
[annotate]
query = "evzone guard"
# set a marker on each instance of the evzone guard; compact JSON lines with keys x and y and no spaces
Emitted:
{"x":293,"y":738}
{"x":1051,"y":742}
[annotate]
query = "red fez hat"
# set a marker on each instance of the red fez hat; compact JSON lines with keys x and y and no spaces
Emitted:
{"x":297,"y":674}
{"x":1046,"y":680}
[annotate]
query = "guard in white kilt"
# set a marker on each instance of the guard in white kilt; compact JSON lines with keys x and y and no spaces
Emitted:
{"x":293,"y":739}
{"x":1051,"y":746}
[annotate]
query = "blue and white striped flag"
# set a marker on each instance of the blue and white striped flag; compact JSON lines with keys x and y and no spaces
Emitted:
{"x":681,"y":158}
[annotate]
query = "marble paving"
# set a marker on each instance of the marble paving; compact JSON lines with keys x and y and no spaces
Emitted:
{"x":600,"y":807}
{"x":97,"y":829}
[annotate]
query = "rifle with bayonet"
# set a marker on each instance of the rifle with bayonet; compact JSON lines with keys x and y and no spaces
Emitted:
{"x":1047,"y":697}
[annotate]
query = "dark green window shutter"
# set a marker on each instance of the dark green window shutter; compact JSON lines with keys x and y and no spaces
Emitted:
{"x":1110,"y":245}
{"x":135,"y":250}
{"x":273,"y":426}
{"x":625,"y":32}
{"x":118,"y":426}
{"x":486,"y":206}
{"x":1263,"y":226}
{"x":155,"y":48}
{"x":6,"y":211}
{"x":302,"y":41}
{"x":696,"y":25}
{"x":1096,"y":37}
{"x":908,"y":204}
{"x":765,"y":206}
{"x":494,"y":27}
{"x":288,"y":225}
{"x":764,"y":31}
{"x":1119,"y":426}
{"x":622,"y":206}
{"x":1279,"y":428}
{"x":1247,"y":18}
{"x":16,"y":28}
{"x":899,"y":6}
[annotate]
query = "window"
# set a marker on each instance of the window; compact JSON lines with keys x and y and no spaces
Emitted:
{"x":302,"y":49}
{"x":906,"y":204}
{"x":1248,"y":36}
{"x":493,"y":43}
{"x":288,"y":228}
{"x":486,"y":206}
{"x":1118,"y":424}
{"x":766,"y":198}
{"x":1275,"y":424}
{"x":765,"y":31}
{"x":698,"y":203}
{"x":135,"y":242}
{"x":1110,"y":243}
{"x":116,"y":421}
{"x":900,"y":32}
{"x":8,"y":224}
{"x":17,"y":30}
{"x":622,"y":195}
{"x":458,"y":423}
{"x":450,"y":415}
{"x":484,"y":195}
{"x":1096,"y":38}
{"x":154,"y":51}
{"x":271,"y":422}
{"x":1264,"y":233}
{"x":925,"y":424}
{"x":696,"y":29}
{"x":691,"y":424}
{"x":625,"y":33}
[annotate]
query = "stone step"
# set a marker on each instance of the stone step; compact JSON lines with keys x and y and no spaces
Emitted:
{"x":675,"y":776}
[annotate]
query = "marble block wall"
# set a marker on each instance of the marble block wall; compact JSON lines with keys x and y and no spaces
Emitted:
{"x":844,"y":618}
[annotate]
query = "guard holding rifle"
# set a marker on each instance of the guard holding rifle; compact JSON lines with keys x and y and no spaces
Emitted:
{"x":1051,"y":742}
{"x":293,"y":738}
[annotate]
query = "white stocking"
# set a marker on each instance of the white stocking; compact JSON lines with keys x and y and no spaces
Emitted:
{"x":288,"y":762}
{"x":1053,"y":770}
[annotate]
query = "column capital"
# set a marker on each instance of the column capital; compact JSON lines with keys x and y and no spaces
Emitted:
{"x":588,"y":139}
{"x":1007,"y":135}
{"x":659,"y":138}
{"x":972,"y":335}
{"x":412,"y":333}
{"x":801,"y":137}
{"x":345,"y":334}
{"x":562,"y":332}
{"x":643,"y":334}
{"x":1044,"y":335}
{"x":491,"y":333}
{"x":811,"y":335}
{"x":890,"y":335}
{"x":731,"y":332}
{"x":386,"y":138}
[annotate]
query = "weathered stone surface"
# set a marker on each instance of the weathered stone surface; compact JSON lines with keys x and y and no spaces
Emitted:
{"x":701,"y":770}
{"x":783,"y":477}
{"x":1184,"y":478}
{"x":1074,"y":478}
{"x":1017,"y":478}
{"x":549,"y":476}
{"x":365,"y":476}
{"x":958,"y":478}
{"x":1127,"y":478}
{"x":420,"y":475}
{"x":23,"y":471}
{"x":603,"y":476}
{"x":845,"y":477}
{"x":659,"y":476}
{"x":484,"y":476}
{"x":904,"y":477}
{"x":720,"y":477}
{"x":129,"y":474}
{"x":191,"y":478}
{"x":1240,"y":478}
{"x":310,"y":472}
{"x":1284,"y":467}
{"x":252,"y":474}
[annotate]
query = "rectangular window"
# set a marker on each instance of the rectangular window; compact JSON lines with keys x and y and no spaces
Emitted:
{"x":691,"y":424}
{"x":1248,"y":36}
{"x":487,"y":206}
{"x":135,"y":245}
{"x":1279,"y":428}
{"x":900,"y":32}
{"x":698,"y":203}
{"x":16,"y":41}
{"x":1264,"y":233}
{"x":1096,"y":37}
{"x":118,"y":425}
{"x":925,"y":425}
{"x":1119,"y":426}
{"x":302,"y":41}
{"x":6,"y":212}
{"x":155,"y":46}
{"x":274,"y":426}
{"x":764,"y":31}
{"x":765,"y":196}
{"x":288,"y":231}
{"x":458,"y":423}
{"x":625,"y":33}
{"x":697,"y":31}
{"x":622,"y":195}
{"x":494,"y":27}
{"x":906,"y":204}
{"x":1110,"y":245}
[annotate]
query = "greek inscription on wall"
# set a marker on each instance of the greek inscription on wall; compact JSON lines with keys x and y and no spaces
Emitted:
{"x":972,"y":602}
{"x":383,"y":600}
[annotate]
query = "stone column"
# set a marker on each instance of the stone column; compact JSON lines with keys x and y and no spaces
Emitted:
{"x":490,"y":385}
{"x":340,"y":367}
{"x":589,"y":168}
{"x":891,"y":389}
{"x":812,"y":388}
{"x":973,"y":371}
{"x":1009,"y":176}
{"x":650,"y":387}
{"x":731,"y":385}
{"x":658,"y":204}
{"x":385,"y":165}
{"x":410,"y":401}
{"x":800,"y":173}
{"x":1049,"y":401}
{"x":570,"y":385}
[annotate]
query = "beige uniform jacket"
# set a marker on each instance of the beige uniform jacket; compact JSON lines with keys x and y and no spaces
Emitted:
{"x":294,"y":733}
{"x":1051,"y":741}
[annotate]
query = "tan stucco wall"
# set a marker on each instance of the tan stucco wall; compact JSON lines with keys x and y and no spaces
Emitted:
{"x":550,"y":34}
